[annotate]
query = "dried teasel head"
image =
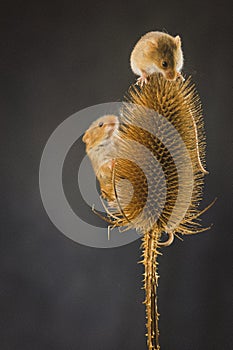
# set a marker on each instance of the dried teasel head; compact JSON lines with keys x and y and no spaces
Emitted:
{"x":159,"y":164}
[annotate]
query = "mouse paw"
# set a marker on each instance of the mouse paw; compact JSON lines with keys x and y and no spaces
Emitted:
{"x":180,"y":76}
{"x":142,"y":80}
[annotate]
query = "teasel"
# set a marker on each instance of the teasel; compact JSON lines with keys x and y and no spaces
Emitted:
{"x":158,"y":174}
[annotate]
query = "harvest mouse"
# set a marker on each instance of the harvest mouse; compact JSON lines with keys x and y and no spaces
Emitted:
{"x":157,"y":52}
{"x":100,"y":140}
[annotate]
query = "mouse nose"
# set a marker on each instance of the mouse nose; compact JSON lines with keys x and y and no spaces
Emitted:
{"x":171,"y":75}
{"x":85,"y":138}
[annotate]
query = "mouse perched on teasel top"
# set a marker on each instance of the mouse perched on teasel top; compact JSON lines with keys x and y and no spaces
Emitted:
{"x":157,"y":52}
{"x":100,"y":143}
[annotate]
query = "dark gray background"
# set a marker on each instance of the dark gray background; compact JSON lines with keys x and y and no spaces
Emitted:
{"x":56,"y":59}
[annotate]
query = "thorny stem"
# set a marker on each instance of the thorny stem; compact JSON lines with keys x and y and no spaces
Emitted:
{"x":150,"y":252}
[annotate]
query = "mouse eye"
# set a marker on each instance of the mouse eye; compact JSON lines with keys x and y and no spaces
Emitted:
{"x":101,"y":124}
{"x":164,"y":64}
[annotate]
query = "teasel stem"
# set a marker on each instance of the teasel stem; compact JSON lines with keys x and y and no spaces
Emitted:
{"x":150,"y":254}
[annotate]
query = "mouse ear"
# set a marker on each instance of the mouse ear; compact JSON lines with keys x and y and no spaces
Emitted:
{"x":150,"y":46}
{"x":178,"y":40}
